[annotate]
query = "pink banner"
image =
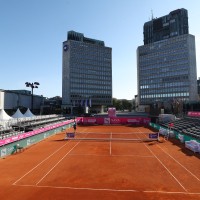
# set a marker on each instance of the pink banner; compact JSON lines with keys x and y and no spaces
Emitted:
{"x":100,"y":120}
{"x":32,"y":133}
{"x":193,"y":114}
{"x":111,"y":112}
{"x":114,"y":120}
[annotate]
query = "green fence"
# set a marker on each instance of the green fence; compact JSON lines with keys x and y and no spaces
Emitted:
{"x":9,"y":149}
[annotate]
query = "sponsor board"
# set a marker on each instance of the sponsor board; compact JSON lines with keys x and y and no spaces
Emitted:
{"x":91,"y":120}
{"x":28,"y":142}
{"x":153,"y":135}
{"x":31,"y":133}
{"x":115,"y":121}
{"x":70,"y":135}
{"x":111,"y":112}
{"x":106,"y":120}
{"x":3,"y":152}
{"x":194,"y":114}
{"x":133,"y":120}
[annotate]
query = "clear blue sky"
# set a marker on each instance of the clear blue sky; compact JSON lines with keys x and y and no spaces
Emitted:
{"x":32,"y":32}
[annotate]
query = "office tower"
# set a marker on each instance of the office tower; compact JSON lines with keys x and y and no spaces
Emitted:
{"x":198,"y":87}
{"x":86,"y":72}
{"x":168,"y":26}
{"x":166,"y":63}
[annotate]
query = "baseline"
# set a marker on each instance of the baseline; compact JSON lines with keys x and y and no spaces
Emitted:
{"x":108,"y":189}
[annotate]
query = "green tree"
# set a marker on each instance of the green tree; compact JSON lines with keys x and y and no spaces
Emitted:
{"x":122,"y":104}
{"x":126,"y":105}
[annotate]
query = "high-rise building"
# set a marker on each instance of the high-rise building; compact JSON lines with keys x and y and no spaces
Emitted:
{"x":86,"y":72}
{"x":198,"y":87}
{"x":168,"y":26}
{"x":166,"y":63}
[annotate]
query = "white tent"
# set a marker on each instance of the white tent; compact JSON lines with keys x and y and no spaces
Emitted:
{"x":18,"y":114}
{"x":28,"y":113}
{"x":4,"y":115}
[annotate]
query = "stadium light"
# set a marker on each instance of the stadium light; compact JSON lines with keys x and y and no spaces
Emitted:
{"x":32,"y":85}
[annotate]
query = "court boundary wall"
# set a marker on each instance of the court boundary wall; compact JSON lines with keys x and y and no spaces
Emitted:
{"x":27,"y":139}
{"x":113,"y":120}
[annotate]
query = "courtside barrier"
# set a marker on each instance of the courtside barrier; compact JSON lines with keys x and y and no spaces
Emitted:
{"x":113,"y":120}
{"x":180,"y":136}
{"x":8,"y":145}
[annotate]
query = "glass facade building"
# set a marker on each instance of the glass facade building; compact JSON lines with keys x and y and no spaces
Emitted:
{"x":86,"y":72}
{"x":167,"y":68}
{"x":168,"y":26}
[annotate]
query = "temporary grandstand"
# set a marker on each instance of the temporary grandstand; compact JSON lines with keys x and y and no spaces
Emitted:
{"x":189,"y":126}
{"x":13,"y":128}
{"x":186,"y":129}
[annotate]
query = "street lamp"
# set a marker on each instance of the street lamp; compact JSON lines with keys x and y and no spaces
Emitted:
{"x":32,"y":85}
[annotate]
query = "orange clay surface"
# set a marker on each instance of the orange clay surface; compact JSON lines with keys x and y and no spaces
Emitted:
{"x":58,"y":169}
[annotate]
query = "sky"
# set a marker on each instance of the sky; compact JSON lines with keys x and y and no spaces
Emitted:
{"x":32,"y":33}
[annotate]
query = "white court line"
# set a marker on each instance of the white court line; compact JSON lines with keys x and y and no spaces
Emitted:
{"x":124,"y":155}
{"x":179,"y":163}
{"x":108,"y":189}
{"x":40,"y":163}
{"x":164,"y":192}
{"x":121,"y":155}
{"x":165,"y":166}
{"x":57,"y":163}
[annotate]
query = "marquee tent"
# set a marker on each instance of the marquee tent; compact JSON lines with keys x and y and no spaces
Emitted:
{"x":28,"y":113}
{"x":4,"y":115}
{"x":18,"y":114}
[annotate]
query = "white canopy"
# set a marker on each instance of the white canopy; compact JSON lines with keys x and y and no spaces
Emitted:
{"x":18,"y":114}
{"x":4,"y":115}
{"x":28,"y":113}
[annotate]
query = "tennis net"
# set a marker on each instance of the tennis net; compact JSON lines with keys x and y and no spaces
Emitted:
{"x":123,"y":137}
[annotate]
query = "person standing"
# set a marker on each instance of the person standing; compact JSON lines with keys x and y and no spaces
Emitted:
{"x":74,"y":126}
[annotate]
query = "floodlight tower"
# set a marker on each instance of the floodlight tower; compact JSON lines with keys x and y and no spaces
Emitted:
{"x":32,"y":85}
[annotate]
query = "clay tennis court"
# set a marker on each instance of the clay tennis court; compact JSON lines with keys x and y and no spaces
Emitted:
{"x":95,"y":169}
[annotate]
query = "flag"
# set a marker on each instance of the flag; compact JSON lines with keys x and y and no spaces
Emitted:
{"x":86,"y":103}
{"x":90,"y":103}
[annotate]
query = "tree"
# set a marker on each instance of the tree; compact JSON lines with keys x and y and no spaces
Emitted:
{"x":126,"y":105}
{"x":122,"y":104}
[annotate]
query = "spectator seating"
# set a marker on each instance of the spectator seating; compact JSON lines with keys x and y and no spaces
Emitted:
{"x":22,"y":125}
{"x":188,"y":126}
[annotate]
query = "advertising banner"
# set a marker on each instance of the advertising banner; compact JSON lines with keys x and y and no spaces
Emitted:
{"x":100,"y":120}
{"x":88,"y":120}
{"x":153,"y":135}
{"x":31,"y":133}
{"x":114,"y":120}
{"x":111,"y":112}
{"x":194,"y":114}
{"x":70,"y":135}
{"x":106,"y":120}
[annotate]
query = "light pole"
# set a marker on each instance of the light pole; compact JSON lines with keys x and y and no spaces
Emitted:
{"x":32,"y":85}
